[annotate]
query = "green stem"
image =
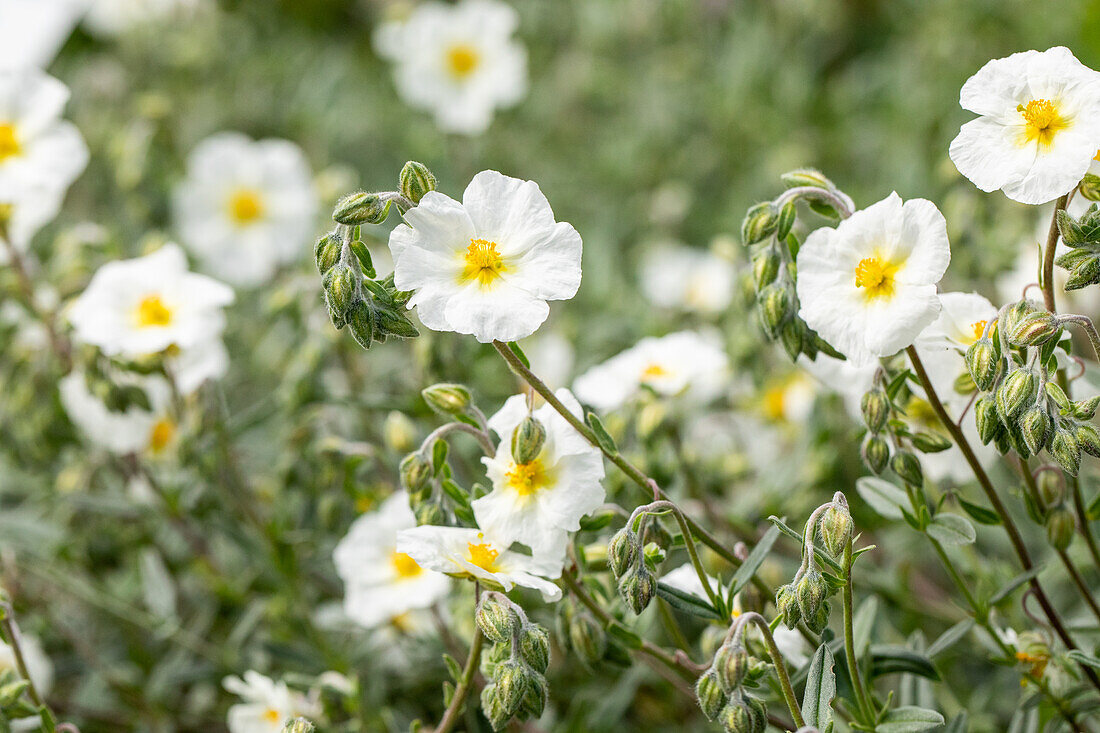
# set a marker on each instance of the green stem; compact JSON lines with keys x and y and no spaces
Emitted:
{"x":61,"y":348}
{"x":1048,"y":255}
{"x":462,"y":691}
{"x":662,"y":506}
{"x":866,"y":707}
{"x":777,"y":659}
{"x":12,"y":633}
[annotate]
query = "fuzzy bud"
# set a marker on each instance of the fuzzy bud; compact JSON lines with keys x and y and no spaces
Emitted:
{"x":760,"y":221}
{"x":361,"y":322}
{"x":1052,"y":487}
{"x":623,"y":550}
{"x":1065,"y":449}
{"x":1035,"y":426}
{"x":1033,"y":329}
{"x":299,"y":725}
{"x":765,"y":267}
{"x":360,"y":208}
{"x":527,"y":440}
{"x":511,"y":682}
{"x":786,"y":601}
{"x":775,"y":306}
{"x":429,"y":513}
{"x":875,"y":453}
{"x":493,"y":708}
{"x":875,"y":408}
{"x":534,"y":647}
{"x":1060,"y":526}
{"x":730,"y":664}
{"x":907,"y":467}
{"x":496,"y":619}
{"x":1084,"y":274}
{"x":836,"y":529}
{"x":982,"y":363}
{"x":806,"y":177}
{"x":1016,"y":392}
{"x":587,"y":637}
{"x":759,"y":713}
{"x":1089,"y":187}
{"x":416,"y":472}
{"x":736,"y":718}
{"x":986,"y":419}
{"x":326,"y":252}
{"x":1088,"y":438}
{"x":340,"y":288}
{"x":810,"y":591}
{"x":709,"y":694}
{"x":447,"y":399}
{"x":534,"y":702}
{"x":820,"y":619}
{"x":637,"y":587}
{"x":415,"y":180}
{"x":1086,"y":409}
{"x":930,"y":442}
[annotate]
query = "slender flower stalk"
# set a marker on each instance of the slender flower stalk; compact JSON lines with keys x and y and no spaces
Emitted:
{"x":465,"y":684}
{"x":863,"y":698}
{"x":737,"y":629}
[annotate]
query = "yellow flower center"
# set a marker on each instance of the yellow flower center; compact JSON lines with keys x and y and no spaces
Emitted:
{"x":775,"y":402}
{"x":246,"y":205}
{"x":483,"y":262}
{"x":483,"y":555}
{"x":527,"y":478}
{"x":1042,"y":120}
{"x":462,"y":60}
{"x":402,"y":622}
{"x":654,"y":371}
{"x":9,"y":144}
{"x":272,"y":716}
{"x":404,"y":566}
{"x":151,"y":312}
{"x":161,"y":435}
{"x":876,"y":276}
{"x":1097,"y":158}
{"x":978,"y":328}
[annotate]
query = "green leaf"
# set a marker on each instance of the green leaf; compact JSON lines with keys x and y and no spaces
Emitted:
{"x":820,"y":690}
{"x":979,"y":513}
{"x":453,"y":667}
{"x":862,"y":624}
{"x":888,"y":659}
{"x":603,"y":438}
{"x":744,"y":574}
{"x":882,"y":496}
{"x":439,"y":455}
{"x":909,"y":720}
{"x":457,"y":493}
{"x":1012,"y":585}
{"x":897,"y":382}
{"x":959,"y":724}
{"x":687,"y":602}
{"x":519,"y":354}
{"x":948,"y":638}
{"x":363,"y":255}
{"x":951,"y":529}
{"x":1085,"y":659}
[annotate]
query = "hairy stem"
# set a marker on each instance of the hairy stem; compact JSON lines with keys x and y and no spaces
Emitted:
{"x":663,"y":506}
{"x":777,"y":659}
{"x":462,"y":691}
{"x":862,"y":697}
{"x":461,"y":427}
{"x":1048,"y":255}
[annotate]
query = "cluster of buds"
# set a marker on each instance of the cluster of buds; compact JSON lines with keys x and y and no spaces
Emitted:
{"x":634,"y":565}
{"x":1082,"y":236}
{"x":515,"y":664}
{"x":721,"y":693}
{"x":579,"y":631}
{"x":805,"y":598}
{"x":879,"y":415}
{"x":767,"y":229}
{"x":299,"y":725}
{"x":1020,"y":408}
{"x":1058,"y":519}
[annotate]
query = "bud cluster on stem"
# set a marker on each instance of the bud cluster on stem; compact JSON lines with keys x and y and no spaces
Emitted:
{"x":516,"y":663}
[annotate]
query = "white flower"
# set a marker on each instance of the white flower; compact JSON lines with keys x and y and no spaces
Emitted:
{"x":133,"y":308}
{"x":868,"y":287}
{"x":382,"y":584}
{"x":792,"y":645}
{"x":205,"y":361}
{"x":486,"y":266}
{"x":961,"y":322}
{"x":1039,"y":126}
{"x":468,"y":552}
{"x":843,"y":377}
{"x":24,"y":209}
{"x":540,"y":502}
{"x":686,"y":579}
{"x":458,"y":61}
{"x":551,"y":356}
{"x":246,"y":206}
{"x":669,"y":365}
{"x":32,"y":31}
{"x":687,"y":279}
{"x":134,"y":430}
{"x":789,"y":398}
{"x":115,"y":17}
{"x":267,"y":705}
{"x":37,"y":147}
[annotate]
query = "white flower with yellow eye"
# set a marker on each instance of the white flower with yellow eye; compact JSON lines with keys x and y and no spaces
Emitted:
{"x":133,"y":308}
{"x":682,"y":362}
{"x":868,"y":287}
{"x":246,"y":207}
{"x":789,"y":398}
{"x":538,"y":503}
{"x":133,"y":430}
{"x":1039,"y":127}
{"x":266,"y":705}
{"x":32,"y":31}
{"x":468,"y":552}
{"x":380,"y":583}
{"x":37,"y":147}
{"x":488,"y":265}
{"x":458,"y":61}
{"x":687,"y":279}
{"x":962,"y":321}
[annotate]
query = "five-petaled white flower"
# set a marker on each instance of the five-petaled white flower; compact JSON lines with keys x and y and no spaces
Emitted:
{"x":246,"y":206}
{"x":1039,"y":126}
{"x":868,"y":287}
{"x":468,"y":552}
{"x":380,"y":583}
{"x":267,"y":705}
{"x":133,"y":430}
{"x":538,"y":503}
{"x":488,"y":265}
{"x":687,"y":279}
{"x":133,"y":308}
{"x":458,"y":61}
{"x":685,"y":361}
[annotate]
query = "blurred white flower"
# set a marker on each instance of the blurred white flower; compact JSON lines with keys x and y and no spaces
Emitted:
{"x":267,"y":705}
{"x":39,"y":666}
{"x":687,"y":279}
{"x":134,"y":430}
{"x":380,"y":583}
{"x":685,"y":579}
{"x":246,"y":207}
{"x":840,"y":376}
{"x":685,"y":361}
{"x":487,"y":266}
{"x":32,"y":31}
{"x":538,"y":503}
{"x":467,"y":552}
{"x":142,"y":306}
{"x":114,"y":17}
{"x":792,"y":645}
{"x":458,"y":61}
{"x":24,"y":209}
{"x":1039,"y":126}
{"x":191,"y":367}
{"x":868,"y":287}
{"x":961,"y":322}
{"x":789,"y":398}
{"x":551,"y":356}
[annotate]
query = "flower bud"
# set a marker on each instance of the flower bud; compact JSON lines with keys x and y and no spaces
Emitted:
{"x":416,"y":473}
{"x":361,"y":208}
{"x":759,"y":713}
{"x":447,"y":399}
{"x":1089,"y":187}
{"x":930,"y":442}
{"x":534,"y":647}
{"x":1086,"y":273}
{"x":496,"y":618}
{"x":875,"y":408}
{"x":637,"y":587}
{"x":430,"y":513}
{"x":820,"y":619}
{"x":511,"y":683}
{"x":709,"y":693}
{"x":785,"y":220}
{"x":793,"y":337}
{"x":786,"y":601}
{"x":1033,"y":329}
{"x":299,"y":725}
{"x":811,"y":590}
{"x":836,"y":529}
{"x":1088,"y":439}
{"x":527,"y":440}
{"x":730,"y":664}
{"x":760,"y":221}
{"x":623,"y":550}
{"x":340,"y":288}
{"x":907,"y":467}
{"x":415,"y":180}
{"x":534,"y":702}
{"x":361,"y":322}
{"x":736,"y":718}
{"x":1060,"y":527}
{"x":806,"y":177}
{"x":493,"y":708}
{"x":1052,"y":487}
{"x":765,"y":267}
{"x":398,"y":431}
{"x":1086,"y":409}
{"x":326,"y":252}
{"x":1065,"y":449}
{"x":982,"y":363}
{"x":1035,"y":426}
{"x":775,"y":308}
{"x":1017,"y":312}
{"x":587,"y":637}
{"x":875,"y":453}
{"x":986,"y":419}
{"x":1014,"y":395}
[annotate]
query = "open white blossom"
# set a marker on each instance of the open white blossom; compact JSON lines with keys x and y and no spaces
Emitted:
{"x":32,"y":31}
{"x":538,"y":503}
{"x":868,"y":287}
{"x":380,"y":583}
{"x":469,"y":552}
{"x":134,"y":430}
{"x":266,"y":705}
{"x":246,"y":206}
{"x":137,"y":307}
{"x":670,"y":365}
{"x":687,"y":279}
{"x":114,"y":17}
{"x":458,"y":61}
{"x":488,"y":265}
{"x":1039,"y":125}
{"x":962,"y":321}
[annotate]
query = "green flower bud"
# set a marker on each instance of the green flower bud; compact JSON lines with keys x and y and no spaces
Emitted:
{"x":785,"y":221}
{"x":775,"y":307}
{"x":836,"y":529}
{"x":1088,"y":438}
{"x":820,"y":619}
{"x":623,"y":550}
{"x":907,"y":467}
{"x":983,"y":363}
{"x":1065,"y":449}
{"x":511,"y":683}
{"x":1086,"y":409}
{"x":760,"y":222}
{"x":534,"y":647}
{"x":299,"y":725}
{"x":496,"y":618}
{"x":493,"y":708}
{"x":1017,"y":312}
{"x":793,"y":337}
{"x":637,"y":586}
{"x":534,"y":702}
{"x":986,"y":419}
{"x":398,"y":431}
{"x":587,"y":638}
{"x":416,"y":473}
{"x":1035,"y":426}
{"x":447,"y":399}
{"x":1016,"y":392}
{"x":736,"y":718}
{"x":430,"y":513}
{"x":340,"y":288}
{"x":806,"y":177}
{"x":1085,"y":274}
{"x":930,"y":442}
{"x":326,"y":252}
{"x":1060,"y":526}
{"x":361,"y":208}
{"x":730,"y":664}
{"x":759,"y":713}
{"x":1089,"y":187}
{"x":1052,"y":487}
{"x":527,"y":440}
{"x":875,"y":453}
{"x":415,"y":181}
{"x":361,"y":323}
{"x":875,"y":408}
{"x":765,"y":267}
{"x":786,"y":601}
{"x":709,"y":693}
{"x":1034,"y":329}
{"x":811,"y":590}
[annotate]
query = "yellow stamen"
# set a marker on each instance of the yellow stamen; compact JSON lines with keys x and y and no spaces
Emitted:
{"x":272,"y":716}
{"x":1042,"y":120}
{"x":978,"y":328}
{"x":483,"y":555}
{"x":527,"y":478}
{"x":775,"y":402}
{"x":151,"y":312}
{"x":246,"y":205}
{"x":405,"y":566}
{"x":462,"y":60}
{"x":9,"y":143}
{"x":876,"y":275}
{"x":161,"y":435}
{"x":1097,"y":158}
{"x":483,"y":262}
{"x":654,"y":371}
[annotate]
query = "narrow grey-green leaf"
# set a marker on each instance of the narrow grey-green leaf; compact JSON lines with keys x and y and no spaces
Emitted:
{"x":752,"y":563}
{"x":882,"y":496}
{"x":948,"y":638}
{"x":951,"y":529}
{"x":909,"y":720}
{"x":820,"y":690}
